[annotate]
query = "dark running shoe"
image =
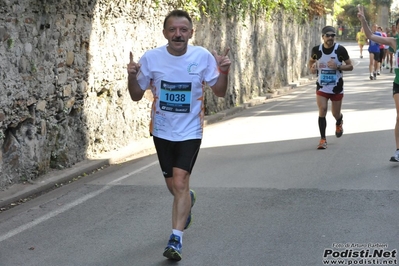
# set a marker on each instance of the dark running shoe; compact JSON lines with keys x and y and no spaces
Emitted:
{"x":173,"y":249}
{"x":374,"y":76}
{"x":193,"y":196}
{"x":395,"y":157}
{"x":339,"y":130}
{"x":371,"y":77}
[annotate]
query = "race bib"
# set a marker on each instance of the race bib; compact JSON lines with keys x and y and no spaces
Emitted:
{"x":328,"y":77}
{"x":175,"y":97}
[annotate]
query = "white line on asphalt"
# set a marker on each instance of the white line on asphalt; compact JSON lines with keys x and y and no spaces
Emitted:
{"x":70,"y":205}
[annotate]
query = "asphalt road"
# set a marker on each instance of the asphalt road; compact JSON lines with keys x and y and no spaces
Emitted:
{"x":265,"y":194}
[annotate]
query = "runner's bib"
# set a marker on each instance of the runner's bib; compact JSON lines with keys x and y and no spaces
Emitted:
{"x":175,"y":97}
{"x":328,"y":77}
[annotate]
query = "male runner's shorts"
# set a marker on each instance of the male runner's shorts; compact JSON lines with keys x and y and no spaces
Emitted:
{"x":376,"y":56}
{"x":382,"y":52}
{"x":332,"y":97}
{"x":395,"y":88}
{"x":179,"y":154}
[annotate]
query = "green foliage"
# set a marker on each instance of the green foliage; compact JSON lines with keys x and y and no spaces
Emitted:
{"x":346,"y":10}
{"x":302,"y":9}
{"x":33,"y":67}
{"x":349,"y":16}
{"x":10,"y":43}
{"x":384,"y":2}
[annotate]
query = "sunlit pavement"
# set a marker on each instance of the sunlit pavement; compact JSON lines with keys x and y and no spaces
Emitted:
{"x":265,"y":194}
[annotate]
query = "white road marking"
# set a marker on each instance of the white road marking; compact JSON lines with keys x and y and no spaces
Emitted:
{"x":75,"y":203}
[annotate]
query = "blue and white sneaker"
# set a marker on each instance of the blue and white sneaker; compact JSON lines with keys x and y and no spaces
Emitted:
{"x":189,"y":218}
{"x":395,"y":157}
{"x":173,"y":249}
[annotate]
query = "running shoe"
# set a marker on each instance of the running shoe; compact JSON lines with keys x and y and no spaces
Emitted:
{"x":374,"y":76}
{"x":322,"y":144}
{"x":371,"y":77}
{"x":361,"y":56}
{"x":390,"y":70}
{"x":173,"y":249}
{"x":193,"y":196}
{"x":378,"y":73}
{"x":395,"y":157}
{"x":339,"y":130}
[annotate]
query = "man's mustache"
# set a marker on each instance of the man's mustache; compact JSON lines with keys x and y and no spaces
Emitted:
{"x":178,"y":40}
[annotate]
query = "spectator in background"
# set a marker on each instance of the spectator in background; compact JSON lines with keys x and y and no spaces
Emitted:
{"x":392,"y":33}
{"x":340,"y":31}
{"x":394,"y":43}
{"x":374,"y":54}
{"x":361,"y":40}
{"x":381,"y":62}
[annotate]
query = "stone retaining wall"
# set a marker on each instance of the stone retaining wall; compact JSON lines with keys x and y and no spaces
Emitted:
{"x":63,"y":95}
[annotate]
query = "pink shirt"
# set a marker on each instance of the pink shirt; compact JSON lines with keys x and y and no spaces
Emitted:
{"x":383,"y":35}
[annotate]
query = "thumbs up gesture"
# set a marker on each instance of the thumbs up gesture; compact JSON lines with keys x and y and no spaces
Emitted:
{"x":132,"y":68}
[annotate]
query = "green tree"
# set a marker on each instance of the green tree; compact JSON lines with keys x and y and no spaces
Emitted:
{"x":346,"y":10}
{"x":301,"y":9}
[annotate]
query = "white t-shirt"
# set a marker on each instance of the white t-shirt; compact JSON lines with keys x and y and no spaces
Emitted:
{"x":177,"y":83}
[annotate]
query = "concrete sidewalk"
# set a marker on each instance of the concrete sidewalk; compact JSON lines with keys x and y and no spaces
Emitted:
{"x":20,"y":193}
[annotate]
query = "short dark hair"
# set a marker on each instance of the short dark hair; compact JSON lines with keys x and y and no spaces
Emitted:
{"x":178,"y":13}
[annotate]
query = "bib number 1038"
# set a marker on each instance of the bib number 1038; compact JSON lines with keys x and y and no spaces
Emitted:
{"x":175,"y":97}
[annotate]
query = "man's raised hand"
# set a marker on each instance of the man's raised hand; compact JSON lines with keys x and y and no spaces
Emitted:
{"x":360,"y":13}
{"x":222,"y":61}
{"x":133,"y":67}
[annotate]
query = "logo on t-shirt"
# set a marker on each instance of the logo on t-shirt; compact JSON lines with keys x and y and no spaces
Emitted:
{"x":192,"y":69}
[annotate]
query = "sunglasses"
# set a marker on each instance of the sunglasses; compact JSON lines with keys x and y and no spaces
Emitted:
{"x":330,"y":35}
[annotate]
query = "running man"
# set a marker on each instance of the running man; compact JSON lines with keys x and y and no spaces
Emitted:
{"x":374,"y":55}
{"x":176,"y":73}
{"x":329,"y":60}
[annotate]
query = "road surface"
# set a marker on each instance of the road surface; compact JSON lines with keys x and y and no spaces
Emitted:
{"x":265,"y":194}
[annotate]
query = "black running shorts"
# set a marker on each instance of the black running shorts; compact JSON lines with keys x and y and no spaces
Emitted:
{"x":179,"y":154}
{"x":395,"y":88}
{"x":376,"y":56}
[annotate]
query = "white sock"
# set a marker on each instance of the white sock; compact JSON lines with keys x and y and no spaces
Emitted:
{"x":178,"y":233}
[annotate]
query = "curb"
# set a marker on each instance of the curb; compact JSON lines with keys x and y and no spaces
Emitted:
{"x":20,"y":193}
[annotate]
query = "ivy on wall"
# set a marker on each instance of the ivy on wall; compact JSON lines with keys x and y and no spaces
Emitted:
{"x":300,"y":9}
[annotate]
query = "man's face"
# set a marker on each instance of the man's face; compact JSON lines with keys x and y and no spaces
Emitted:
{"x":329,"y":38}
{"x":177,"y":31}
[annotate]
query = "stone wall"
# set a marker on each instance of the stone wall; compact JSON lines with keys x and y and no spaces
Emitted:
{"x":63,"y":95}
